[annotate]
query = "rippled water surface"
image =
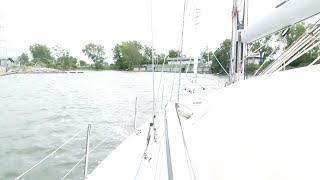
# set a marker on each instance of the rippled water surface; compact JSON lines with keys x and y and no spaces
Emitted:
{"x":38,"y":112}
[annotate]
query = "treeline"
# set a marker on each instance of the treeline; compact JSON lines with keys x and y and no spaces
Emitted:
{"x":56,"y":57}
{"x":264,"y":47}
{"x":128,"y":54}
{"x":125,"y":55}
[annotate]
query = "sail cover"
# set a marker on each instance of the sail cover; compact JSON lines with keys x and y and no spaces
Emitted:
{"x":289,"y":13}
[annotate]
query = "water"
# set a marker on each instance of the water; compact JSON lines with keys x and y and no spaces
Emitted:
{"x":38,"y":112}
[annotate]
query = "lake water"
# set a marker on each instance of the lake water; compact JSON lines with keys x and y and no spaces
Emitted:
{"x":39,"y":112}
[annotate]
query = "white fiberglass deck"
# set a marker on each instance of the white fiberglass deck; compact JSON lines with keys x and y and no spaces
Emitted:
{"x":273,"y":134}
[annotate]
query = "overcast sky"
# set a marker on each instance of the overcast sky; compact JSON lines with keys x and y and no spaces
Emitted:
{"x":72,"y":24}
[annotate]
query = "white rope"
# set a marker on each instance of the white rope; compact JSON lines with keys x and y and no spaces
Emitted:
{"x":49,"y":154}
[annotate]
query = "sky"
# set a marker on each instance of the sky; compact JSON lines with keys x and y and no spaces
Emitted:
{"x":73,"y":24}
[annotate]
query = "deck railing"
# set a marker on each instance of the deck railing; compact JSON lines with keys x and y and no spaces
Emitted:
{"x":84,"y":157}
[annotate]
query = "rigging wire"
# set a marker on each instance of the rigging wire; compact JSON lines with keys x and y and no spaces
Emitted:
{"x":181,"y":45}
{"x":265,"y":62}
{"x":220,"y":64}
{"x":174,"y":79}
{"x":159,"y":149}
{"x":160,"y":79}
{"x":190,"y":167}
{"x":152,"y":59}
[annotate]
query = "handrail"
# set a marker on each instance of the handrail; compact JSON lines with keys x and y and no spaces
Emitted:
{"x":86,"y":156}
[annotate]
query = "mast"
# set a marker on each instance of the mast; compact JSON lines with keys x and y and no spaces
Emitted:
{"x":238,"y":47}
{"x":196,"y":55}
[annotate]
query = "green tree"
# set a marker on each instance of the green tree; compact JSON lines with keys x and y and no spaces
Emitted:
{"x":118,"y":58}
{"x":41,"y":54}
{"x":66,"y":61}
{"x":83,"y":63}
{"x":63,"y":58}
{"x":127,"y":55}
{"x":296,"y":31}
{"x":96,"y":53}
{"x":23,"y":59}
{"x":160,"y":58}
{"x":204,"y":56}
{"x":223,"y":54}
{"x":252,"y":68}
{"x":147,"y":54}
{"x":174,"y":53}
{"x":262,"y":47}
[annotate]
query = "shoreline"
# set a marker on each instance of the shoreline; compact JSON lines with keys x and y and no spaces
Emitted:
{"x":62,"y":72}
{"x":35,"y":70}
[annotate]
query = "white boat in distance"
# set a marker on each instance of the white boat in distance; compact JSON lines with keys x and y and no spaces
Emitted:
{"x":266,"y":127}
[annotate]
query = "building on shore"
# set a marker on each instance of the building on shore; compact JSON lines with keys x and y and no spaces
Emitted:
{"x":254,"y":59}
{"x":6,"y":62}
{"x":182,"y":60}
{"x":174,"y":68}
{"x":188,"y":60}
{"x":173,"y":65}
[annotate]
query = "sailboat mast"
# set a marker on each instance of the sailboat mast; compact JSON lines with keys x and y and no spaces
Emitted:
{"x":238,"y":48}
{"x":196,"y":55}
